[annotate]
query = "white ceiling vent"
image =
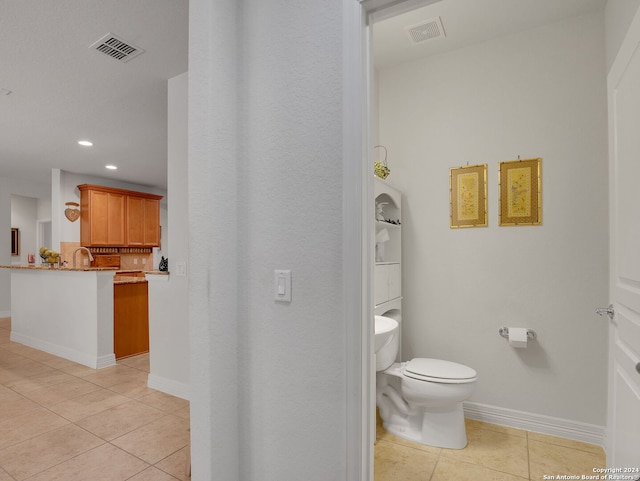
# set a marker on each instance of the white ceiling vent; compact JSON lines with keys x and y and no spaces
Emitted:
{"x":116,"y":48}
{"x":426,"y":30}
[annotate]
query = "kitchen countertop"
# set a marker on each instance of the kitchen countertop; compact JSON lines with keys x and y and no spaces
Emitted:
{"x":47,"y":268}
{"x":129,"y":280}
{"x":85,"y":269}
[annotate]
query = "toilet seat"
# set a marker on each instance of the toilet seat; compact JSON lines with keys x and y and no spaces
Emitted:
{"x":438,"y":370}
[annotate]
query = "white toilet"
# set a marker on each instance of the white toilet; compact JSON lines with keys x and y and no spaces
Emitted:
{"x":421,"y":400}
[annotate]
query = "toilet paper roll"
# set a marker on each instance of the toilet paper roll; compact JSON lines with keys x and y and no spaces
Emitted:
{"x":518,"y":337}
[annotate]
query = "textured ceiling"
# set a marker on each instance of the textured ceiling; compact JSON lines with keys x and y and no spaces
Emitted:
{"x":62,"y":91}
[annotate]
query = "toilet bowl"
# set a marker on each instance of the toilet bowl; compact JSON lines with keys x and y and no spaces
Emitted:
{"x":421,"y":400}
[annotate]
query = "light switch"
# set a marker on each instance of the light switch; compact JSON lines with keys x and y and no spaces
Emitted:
{"x":282,"y":281}
{"x":181,"y":268}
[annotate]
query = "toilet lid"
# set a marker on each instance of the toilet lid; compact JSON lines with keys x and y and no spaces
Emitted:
{"x":438,"y":370}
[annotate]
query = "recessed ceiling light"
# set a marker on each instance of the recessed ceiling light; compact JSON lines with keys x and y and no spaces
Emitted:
{"x":111,"y":167}
{"x":85,"y":143}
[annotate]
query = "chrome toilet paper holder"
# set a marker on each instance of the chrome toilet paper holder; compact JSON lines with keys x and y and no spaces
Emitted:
{"x":531,"y":334}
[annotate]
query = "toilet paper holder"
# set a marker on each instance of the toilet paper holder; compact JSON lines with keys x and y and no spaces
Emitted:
{"x":531,"y":334}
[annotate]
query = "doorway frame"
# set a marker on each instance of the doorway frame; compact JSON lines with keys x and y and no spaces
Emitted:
{"x":40,"y":232}
{"x":358,"y":225}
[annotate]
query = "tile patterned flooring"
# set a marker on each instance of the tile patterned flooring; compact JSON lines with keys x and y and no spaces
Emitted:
{"x":63,"y":421}
{"x":493,"y":453}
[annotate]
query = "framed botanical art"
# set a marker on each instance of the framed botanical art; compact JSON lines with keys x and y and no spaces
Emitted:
{"x":468,"y":196}
{"x":520,"y":183}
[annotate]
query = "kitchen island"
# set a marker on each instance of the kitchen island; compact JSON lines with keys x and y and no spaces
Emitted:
{"x":65,"y":312}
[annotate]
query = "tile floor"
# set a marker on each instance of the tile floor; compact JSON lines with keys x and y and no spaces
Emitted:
{"x":63,"y":421}
{"x":493,"y":453}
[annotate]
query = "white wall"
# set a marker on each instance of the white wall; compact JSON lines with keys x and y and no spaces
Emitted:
{"x":10,"y":187}
{"x":539,"y":93}
{"x":44,"y":209}
{"x":24,"y":212}
{"x":169,"y":295}
{"x":265,"y":190}
{"x":618,"y":16}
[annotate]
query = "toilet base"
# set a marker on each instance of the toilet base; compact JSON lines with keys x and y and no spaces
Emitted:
{"x":441,"y":427}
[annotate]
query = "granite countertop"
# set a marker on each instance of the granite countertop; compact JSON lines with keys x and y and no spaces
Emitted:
{"x":85,"y":269}
{"x":47,"y":268}
{"x":129,"y":280}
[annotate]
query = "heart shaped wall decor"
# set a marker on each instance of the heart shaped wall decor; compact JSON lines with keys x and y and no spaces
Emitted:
{"x":72,"y":213}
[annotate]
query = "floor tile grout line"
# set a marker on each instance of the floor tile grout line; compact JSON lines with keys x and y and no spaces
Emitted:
{"x":574,"y":448}
{"x":48,"y":408}
{"x":147,"y":462}
{"x":136,"y":396}
{"x":433,"y":473}
{"x":62,"y":462}
{"x":528,"y":456}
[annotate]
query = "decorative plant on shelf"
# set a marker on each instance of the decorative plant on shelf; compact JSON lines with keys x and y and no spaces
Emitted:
{"x":380,"y":169}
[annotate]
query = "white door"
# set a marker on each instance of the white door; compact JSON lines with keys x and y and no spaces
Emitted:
{"x":623,"y":423}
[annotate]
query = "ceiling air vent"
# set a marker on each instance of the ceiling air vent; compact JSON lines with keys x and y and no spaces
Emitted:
{"x":116,"y":48}
{"x":426,"y":30}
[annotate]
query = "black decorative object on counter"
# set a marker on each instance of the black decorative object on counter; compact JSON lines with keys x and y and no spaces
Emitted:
{"x":164,"y":264}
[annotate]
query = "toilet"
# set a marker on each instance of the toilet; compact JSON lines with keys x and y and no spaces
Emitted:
{"x":421,"y":399}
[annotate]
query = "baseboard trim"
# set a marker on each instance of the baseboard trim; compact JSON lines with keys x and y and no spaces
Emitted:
{"x":65,"y":352}
{"x":564,"y":428}
{"x":105,"y":361}
{"x":168,"y":386}
{"x":5,"y":314}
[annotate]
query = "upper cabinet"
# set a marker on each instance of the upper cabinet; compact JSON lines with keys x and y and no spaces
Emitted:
{"x":118,"y":218}
{"x":143,"y":222}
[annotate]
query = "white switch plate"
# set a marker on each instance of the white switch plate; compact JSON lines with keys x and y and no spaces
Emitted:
{"x":282,"y":285}
{"x":181,"y":268}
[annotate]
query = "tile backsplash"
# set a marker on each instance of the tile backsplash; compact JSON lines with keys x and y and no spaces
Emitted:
{"x":142,"y":261}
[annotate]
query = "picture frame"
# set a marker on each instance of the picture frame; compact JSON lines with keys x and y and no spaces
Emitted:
{"x":468,"y":196}
{"x":15,"y":241}
{"x":520,"y":197}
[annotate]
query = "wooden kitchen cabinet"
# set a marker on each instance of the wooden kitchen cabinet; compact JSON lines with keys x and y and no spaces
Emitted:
{"x":102,"y":216}
{"x":117,"y":217}
{"x":130,"y":319}
{"x":143,"y":222}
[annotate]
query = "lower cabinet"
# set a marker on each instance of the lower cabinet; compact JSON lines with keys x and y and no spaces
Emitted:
{"x":130,"y":319}
{"x":387,"y":282}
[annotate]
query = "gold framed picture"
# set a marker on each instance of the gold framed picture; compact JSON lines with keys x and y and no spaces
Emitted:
{"x":15,"y":241}
{"x":468,"y":196}
{"x":520,"y":184}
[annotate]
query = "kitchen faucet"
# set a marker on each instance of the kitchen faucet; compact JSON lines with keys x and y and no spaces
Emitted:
{"x":80,"y":249}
